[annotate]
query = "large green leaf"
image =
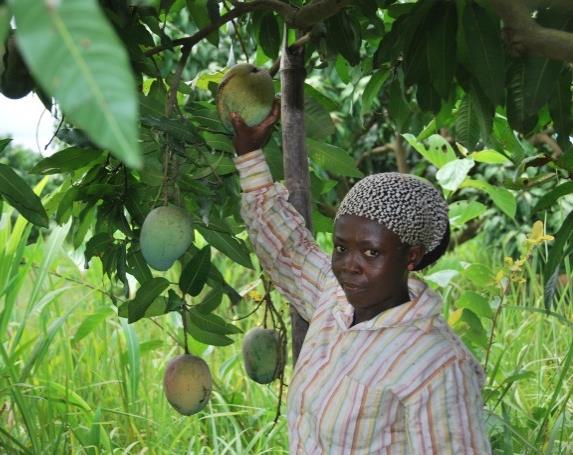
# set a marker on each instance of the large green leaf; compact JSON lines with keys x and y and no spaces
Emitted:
{"x":317,"y":121}
{"x":270,"y":35}
{"x":66,"y":160}
{"x":556,"y":254}
{"x":500,"y":196}
{"x":451,"y":175}
{"x":441,"y":48}
{"x":560,"y":106}
{"x":202,"y":11}
{"x":439,"y":152}
{"x":194,"y":275}
{"x":460,"y":212}
{"x":343,"y":36}
{"x":144,"y":297}
{"x":212,"y":323}
{"x":4,"y":142}
{"x":204,"y":336}
{"x":467,"y":125}
{"x":540,"y":76}
{"x":332,"y":158}
{"x":372,"y":90}
{"x":485,"y":50}
{"x":228,"y":245}
{"x":518,"y":114}
{"x":20,"y":196}
{"x":547,"y":200}
{"x":76,"y":57}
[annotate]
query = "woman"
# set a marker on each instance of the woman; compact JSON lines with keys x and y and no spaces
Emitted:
{"x":379,"y":372}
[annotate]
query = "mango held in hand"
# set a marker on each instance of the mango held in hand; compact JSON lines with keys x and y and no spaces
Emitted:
{"x":15,"y":79}
{"x":187,"y":384}
{"x":166,"y":234}
{"x":248,"y":91}
{"x":262,"y":355}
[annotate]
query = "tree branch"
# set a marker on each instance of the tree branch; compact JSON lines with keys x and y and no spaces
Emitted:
{"x":524,"y":35}
{"x":302,"y":19}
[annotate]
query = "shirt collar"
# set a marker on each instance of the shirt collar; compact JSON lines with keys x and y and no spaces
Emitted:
{"x":424,"y":304}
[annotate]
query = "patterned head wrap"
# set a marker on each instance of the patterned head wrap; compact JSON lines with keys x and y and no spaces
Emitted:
{"x":407,"y":205}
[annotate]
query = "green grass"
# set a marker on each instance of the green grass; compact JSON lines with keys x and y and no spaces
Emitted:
{"x":76,"y":378}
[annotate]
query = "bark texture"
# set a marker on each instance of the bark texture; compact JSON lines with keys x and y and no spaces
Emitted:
{"x":295,"y":157}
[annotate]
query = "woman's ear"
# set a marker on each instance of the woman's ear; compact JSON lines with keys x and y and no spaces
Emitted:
{"x":415,"y":255}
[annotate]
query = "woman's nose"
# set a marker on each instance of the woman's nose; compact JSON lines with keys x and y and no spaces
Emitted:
{"x":351,"y":263}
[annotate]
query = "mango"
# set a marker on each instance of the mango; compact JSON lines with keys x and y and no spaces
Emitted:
{"x":15,"y":79}
{"x":263,"y":355}
{"x":187,"y":384}
{"x":248,"y":91}
{"x":166,"y":234}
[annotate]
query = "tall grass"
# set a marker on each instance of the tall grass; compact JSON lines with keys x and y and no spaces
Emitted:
{"x":76,"y":378}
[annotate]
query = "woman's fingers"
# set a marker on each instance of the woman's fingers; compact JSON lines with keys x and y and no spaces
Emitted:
{"x":237,"y":122}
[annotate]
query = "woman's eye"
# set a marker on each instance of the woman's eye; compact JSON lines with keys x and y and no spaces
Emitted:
{"x":371,"y":253}
{"x":339,"y":249}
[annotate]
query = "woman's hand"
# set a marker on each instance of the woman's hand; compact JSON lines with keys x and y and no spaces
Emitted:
{"x":249,"y":138}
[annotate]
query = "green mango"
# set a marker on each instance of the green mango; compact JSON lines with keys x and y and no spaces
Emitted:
{"x":263,"y":355}
{"x":248,"y":91}
{"x":166,"y":234}
{"x":187,"y":384}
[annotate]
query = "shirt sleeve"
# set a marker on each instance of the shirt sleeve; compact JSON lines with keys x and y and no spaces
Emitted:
{"x":445,"y":416}
{"x":286,"y":249}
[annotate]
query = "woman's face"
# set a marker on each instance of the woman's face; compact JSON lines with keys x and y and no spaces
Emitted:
{"x":370,"y":263}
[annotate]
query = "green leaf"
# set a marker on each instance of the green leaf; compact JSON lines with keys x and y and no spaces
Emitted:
{"x":174,"y":302}
{"x":547,"y":200}
{"x":451,"y":175}
{"x":4,"y":142}
{"x":439,"y":151}
{"x":270,"y":35}
{"x":211,"y":301}
{"x":398,"y":107}
{"x":20,"y":196}
{"x":486,"y":50}
{"x":415,"y":56}
{"x":144,"y":297}
{"x":479,"y":274}
{"x":90,"y":323}
{"x":554,"y":258}
{"x":518,"y":115}
{"x":539,"y":74}
{"x":428,"y":98}
{"x":332,"y":158}
{"x":343,"y":36}
{"x":467,"y":125}
{"x":489,"y":156}
{"x":199,"y":11}
{"x":66,"y":160}
{"x":476,"y":303}
{"x":501,"y":197}
{"x":194,"y":275}
{"x":228,"y":245}
{"x":441,"y":47}
{"x":77,"y":58}
{"x":212,"y":323}
{"x":317,"y":121}
{"x":137,"y":266}
{"x":560,"y":106}
{"x":442,"y":278}
{"x":205,"y":336}
{"x":372,"y":90}
{"x":460,"y":212}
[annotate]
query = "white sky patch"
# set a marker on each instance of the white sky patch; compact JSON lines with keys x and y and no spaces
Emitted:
{"x":27,"y":122}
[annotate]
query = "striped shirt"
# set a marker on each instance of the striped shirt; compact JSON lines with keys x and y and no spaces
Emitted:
{"x":399,"y":383}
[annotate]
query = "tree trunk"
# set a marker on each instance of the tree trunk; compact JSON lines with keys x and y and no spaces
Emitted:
{"x":295,"y":158}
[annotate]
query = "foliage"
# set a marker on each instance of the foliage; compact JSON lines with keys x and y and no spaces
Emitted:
{"x":427,"y":87}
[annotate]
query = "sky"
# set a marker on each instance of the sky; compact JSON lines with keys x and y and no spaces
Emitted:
{"x":27,"y":122}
